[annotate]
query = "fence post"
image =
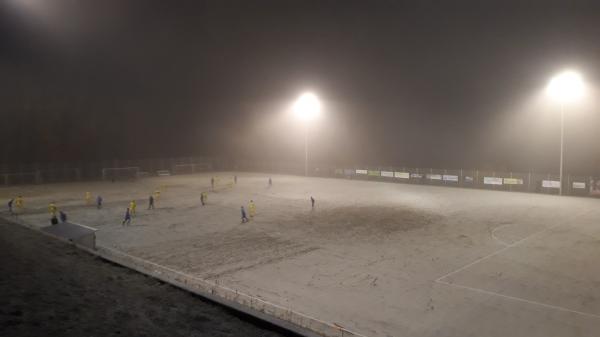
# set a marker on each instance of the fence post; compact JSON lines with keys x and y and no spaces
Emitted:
{"x":429,"y":181}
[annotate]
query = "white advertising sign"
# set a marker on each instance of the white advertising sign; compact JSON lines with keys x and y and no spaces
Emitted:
{"x":513,"y":181}
{"x":492,"y":181}
{"x":416,"y":175}
{"x":449,"y":177}
{"x":361,"y":172}
{"x":387,"y":174}
{"x":579,"y":185}
{"x":551,"y":183}
{"x":434,"y":176}
{"x":403,"y":175}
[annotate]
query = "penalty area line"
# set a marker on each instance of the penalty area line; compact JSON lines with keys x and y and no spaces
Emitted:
{"x":493,"y":234}
{"x":440,"y":280}
{"x":508,"y":246}
{"x":519,"y":299}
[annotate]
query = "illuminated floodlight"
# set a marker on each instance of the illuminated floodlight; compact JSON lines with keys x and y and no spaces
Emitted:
{"x":307,"y":106}
{"x":566,"y":87}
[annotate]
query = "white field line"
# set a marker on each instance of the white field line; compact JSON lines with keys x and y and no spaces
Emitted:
{"x":200,"y":280}
{"x":217,"y":285}
{"x":545,"y":305}
{"x":508,"y":246}
{"x":502,"y":242}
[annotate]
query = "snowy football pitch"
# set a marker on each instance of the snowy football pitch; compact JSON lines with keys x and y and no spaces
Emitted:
{"x":381,"y":259}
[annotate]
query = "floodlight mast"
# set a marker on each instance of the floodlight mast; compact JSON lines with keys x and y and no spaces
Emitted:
{"x":307,"y":108}
{"x":562,"y":146}
{"x":566,"y":87}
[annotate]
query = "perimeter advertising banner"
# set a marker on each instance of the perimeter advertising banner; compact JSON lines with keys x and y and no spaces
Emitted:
{"x":416,"y":175}
{"x":403,"y":175}
{"x":434,"y":176}
{"x":492,"y":181}
{"x":551,"y":183}
{"x":339,"y":171}
{"x":449,"y":177}
{"x":513,"y":181}
{"x":387,"y":174}
{"x":579,"y":185}
{"x":374,"y":173}
{"x":361,"y":171}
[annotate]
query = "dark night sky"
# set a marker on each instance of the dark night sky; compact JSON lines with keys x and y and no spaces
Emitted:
{"x":419,"y":83}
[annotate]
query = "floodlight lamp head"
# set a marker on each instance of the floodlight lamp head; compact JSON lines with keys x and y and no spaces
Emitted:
{"x":566,"y":87}
{"x":307,"y":107}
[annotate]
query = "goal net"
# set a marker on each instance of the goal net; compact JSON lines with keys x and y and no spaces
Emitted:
{"x":189,"y":168}
{"x":222,"y":183}
{"x":120,"y":173}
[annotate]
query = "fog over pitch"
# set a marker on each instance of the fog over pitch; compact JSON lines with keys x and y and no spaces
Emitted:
{"x":402,"y":82}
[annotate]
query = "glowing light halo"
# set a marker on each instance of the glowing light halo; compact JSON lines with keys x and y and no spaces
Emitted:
{"x":307,"y":106}
{"x":566,"y":87}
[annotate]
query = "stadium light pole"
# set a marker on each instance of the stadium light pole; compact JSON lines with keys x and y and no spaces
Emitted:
{"x":307,"y":108}
{"x":565,"y":87}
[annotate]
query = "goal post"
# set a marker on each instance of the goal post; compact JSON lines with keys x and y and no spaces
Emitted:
{"x":120,"y":173}
{"x":222,"y":183}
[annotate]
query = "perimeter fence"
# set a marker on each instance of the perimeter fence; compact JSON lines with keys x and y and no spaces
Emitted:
{"x":84,"y":171}
{"x":533,"y":182}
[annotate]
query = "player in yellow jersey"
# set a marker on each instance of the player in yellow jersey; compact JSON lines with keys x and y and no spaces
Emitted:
{"x":132,"y":206}
{"x":20,"y":203}
{"x":251,"y":209}
{"x":52,"y":209}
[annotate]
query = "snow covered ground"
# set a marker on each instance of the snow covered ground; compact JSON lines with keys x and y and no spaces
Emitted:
{"x":382,"y":259}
